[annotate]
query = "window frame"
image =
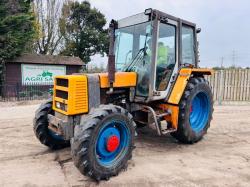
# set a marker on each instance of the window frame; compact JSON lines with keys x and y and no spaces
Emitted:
{"x":153,"y":93}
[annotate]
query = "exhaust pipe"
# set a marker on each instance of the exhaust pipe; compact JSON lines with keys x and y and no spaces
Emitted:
{"x":111,"y":57}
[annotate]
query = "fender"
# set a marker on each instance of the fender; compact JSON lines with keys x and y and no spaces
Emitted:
{"x":182,"y":80}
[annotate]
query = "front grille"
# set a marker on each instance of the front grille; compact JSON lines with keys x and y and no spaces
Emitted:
{"x":62,"y":82}
{"x":62,"y":94}
{"x":80,"y":95}
{"x":72,"y":91}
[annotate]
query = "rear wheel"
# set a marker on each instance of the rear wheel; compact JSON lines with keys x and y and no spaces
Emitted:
{"x":42,"y":132}
{"x":196,"y":108}
{"x":103,"y":142}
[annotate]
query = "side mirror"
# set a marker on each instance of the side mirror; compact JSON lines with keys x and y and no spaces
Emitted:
{"x":148,"y":11}
{"x":198,"y":30}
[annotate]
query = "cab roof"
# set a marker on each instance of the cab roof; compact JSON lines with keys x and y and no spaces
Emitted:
{"x":146,"y":15}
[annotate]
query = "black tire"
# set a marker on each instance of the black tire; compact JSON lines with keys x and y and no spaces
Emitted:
{"x":40,"y":127}
{"x":185,"y":132}
{"x":83,"y":145}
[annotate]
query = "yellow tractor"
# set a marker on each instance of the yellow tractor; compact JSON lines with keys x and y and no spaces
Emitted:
{"x":153,"y":79}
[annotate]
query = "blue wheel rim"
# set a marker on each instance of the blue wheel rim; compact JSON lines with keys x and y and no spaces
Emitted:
{"x":55,"y":135}
{"x":112,"y":128}
{"x":199,"y":112}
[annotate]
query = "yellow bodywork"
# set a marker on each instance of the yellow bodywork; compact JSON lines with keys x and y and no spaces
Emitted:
{"x":173,"y":118}
{"x":122,"y":79}
{"x":182,"y":81}
{"x":77,"y":92}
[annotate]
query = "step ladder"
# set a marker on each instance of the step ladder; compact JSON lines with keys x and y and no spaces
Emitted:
{"x":160,"y":123}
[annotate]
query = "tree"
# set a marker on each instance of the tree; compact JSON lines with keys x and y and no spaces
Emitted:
{"x":16,"y":29}
{"x":47,"y":16}
{"x":83,"y":32}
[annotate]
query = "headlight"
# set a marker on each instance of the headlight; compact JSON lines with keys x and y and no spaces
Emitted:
{"x":61,"y":106}
{"x":58,"y":105}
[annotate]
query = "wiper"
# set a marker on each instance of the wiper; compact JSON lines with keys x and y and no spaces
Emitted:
{"x":139,"y":56}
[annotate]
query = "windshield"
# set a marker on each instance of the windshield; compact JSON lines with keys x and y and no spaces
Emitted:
{"x":133,"y":53}
{"x":129,"y":42}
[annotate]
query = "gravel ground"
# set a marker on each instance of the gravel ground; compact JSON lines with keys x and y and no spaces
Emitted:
{"x":222,"y":158}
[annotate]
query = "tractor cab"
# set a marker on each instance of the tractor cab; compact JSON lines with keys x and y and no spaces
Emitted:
{"x":154,"y":45}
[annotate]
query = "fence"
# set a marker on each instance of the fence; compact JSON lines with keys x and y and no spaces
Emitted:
{"x":19,"y":92}
{"x":227,"y":85}
{"x":231,"y":85}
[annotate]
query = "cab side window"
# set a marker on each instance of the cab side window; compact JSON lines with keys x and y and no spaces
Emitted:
{"x":124,"y":51}
{"x":166,"y":55}
{"x":188,"y":48}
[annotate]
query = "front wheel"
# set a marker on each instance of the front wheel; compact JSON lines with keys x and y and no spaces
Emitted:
{"x":41,"y":130}
{"x":195,"y":113}
{"x":103,"y":142}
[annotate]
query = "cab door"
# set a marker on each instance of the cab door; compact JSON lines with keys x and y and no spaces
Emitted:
{"x":165,"y":59}
{"x":166,"y":55}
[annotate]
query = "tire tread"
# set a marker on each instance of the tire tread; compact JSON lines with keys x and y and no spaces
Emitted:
{"x":81,"y":140}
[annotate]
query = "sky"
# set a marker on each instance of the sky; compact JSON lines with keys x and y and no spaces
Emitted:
{"x":225,"y":25}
